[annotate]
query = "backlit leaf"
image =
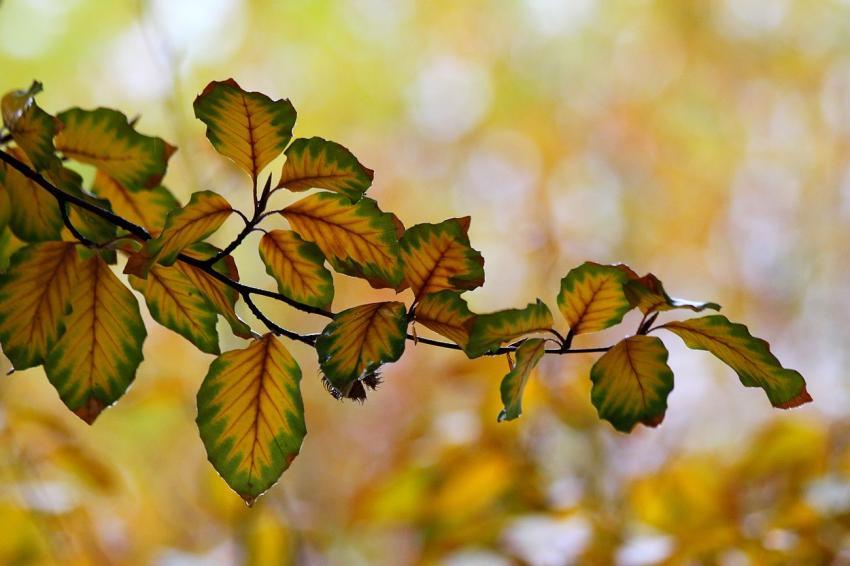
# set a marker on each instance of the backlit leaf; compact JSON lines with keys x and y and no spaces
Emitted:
{"x":87,"y":223}
{"x":251,"y":416}
{"x":446,"y":314}
{"x":489,"y":331}
{"x":316,"y":163}
{"x":528,"y":355}
{"x":35,"y":294}
{"x":204,"y":214}
{"x":298,"y":267}
{"x":222,"y":297}
{"x":631,"y":383}
{"x":749,"y":356}
{"x":648,"y":294}
{"x":104,"y":138}
{"x":5,"y":203}
{"x":438,"y":257}
{"x":31,"y":127}
{"x":96,"y":358}
{"x":357,"y":238}
{"x":592,"y":297}
{"x":175,"y":302}
{"x":147,"y":208}
{"x":33,"y":214}
{"x":248,"y":127}
{"x":358,"y":342}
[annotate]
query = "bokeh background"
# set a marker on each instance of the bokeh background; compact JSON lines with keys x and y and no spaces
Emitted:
{"x":707,"y":141}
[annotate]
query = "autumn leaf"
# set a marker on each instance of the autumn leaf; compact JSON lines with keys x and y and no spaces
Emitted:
{"x":749,"y":356}
{"x":489,"y":331}
{"x":147,"y":208}
{"x":104,"y":138}
{"x":592,"y":297}
{"x":35,"y":295}
{"x":248,"y":127}
{"x":447,"y":314}
{"x":316,"y":163}
{"x":202,"y":216}
{"x":34,"y":215}
{"x":357,"y":238}
{"x":176,"y":303}
{"x":528,"y":355}
{"x":647,"y":293}
{"x":358,"y":342}
{"x":95,"y":360}
{"x":298,"y":267}
{"x":631,"y":383}
{"x":251,"y":416}
{"x":438,"y":257}
{"x":31,"y":127}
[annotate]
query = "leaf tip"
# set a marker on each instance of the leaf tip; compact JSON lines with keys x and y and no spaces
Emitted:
{"x":800,"y":399}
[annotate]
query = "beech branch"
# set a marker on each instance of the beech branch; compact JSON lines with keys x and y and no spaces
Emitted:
{"x":246,"y":292}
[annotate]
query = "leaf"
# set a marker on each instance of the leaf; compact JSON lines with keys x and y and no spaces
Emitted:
{"x":251,"y":416}
{"x":90,"y":225}
{"x":648,"y":294}
{"x":248,"y":127}
{"x":357,"y":238}
{"x":104,"y":138}
{"x":298,"y":267}
{"x":631,"y":383}
{"x":358,"y":341}
{"x":592,"y":297}
{"x":35,"y":294}
{"x":204,"y":214}
{"x":438,"y":257}
{"x":446,"y":313}
{"x":95,"y":360}
{"x":749,"y":356}
{"x":33,"y":214}
{"x":176,"y":303}
{"x":5,"y":203}
{"x":489,"y":331}
{"x":222,"y":297}
{"x":147,"y":208}
{"x":528,"y":355}
{"x":316,"y":163}
{"x":31,"y":127}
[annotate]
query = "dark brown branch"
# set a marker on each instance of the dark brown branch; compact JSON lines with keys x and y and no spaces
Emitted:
{"x":245,"y":291}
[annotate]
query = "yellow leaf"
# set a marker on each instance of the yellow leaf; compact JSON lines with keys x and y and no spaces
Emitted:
{"x":33,"y":215}
{"x":251,"y":416}
{"x":631,"y":383}
{"x":34,"y":297}
{"x":248,"y":127}
{"x":317,"y":163}
{"x":446,"y":314}
{"x":528,"y":355}
{"x":147,"y":208}
{"x":204,"y":214}
{"x":96,"y":358}
{"x":592,"y":297}
{"x":648,"y":294}
{"x":357,"y":238}
{"x":489,"y":331}
{"x":31,"y":127}
{"x":298,"y":267}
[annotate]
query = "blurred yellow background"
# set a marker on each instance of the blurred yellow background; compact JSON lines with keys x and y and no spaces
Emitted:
{"x":703,"y":140}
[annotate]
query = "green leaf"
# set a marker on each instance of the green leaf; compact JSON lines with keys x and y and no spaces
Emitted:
{"x":33,"y":213}
{"x":35,"y":294}
{"x":648,"y":294}
{"x":298,"y":267}
{"x":204,"y":214}
{"x":251,"y":416}
{"x":248,"y":127}
{"x":31,"y":127}
{"x":95,"y":360}
{"x":438,"y":257}
{"x":357,"y":238}
{"x":357,"y":343}
{"x":631,"y":383}
{"x":104,"y":138}
{"x":446,"y":314}
{"x":489,"y":331}
{"x":528,"y":355}
{"x":316,"y":163}
{"x":749,"y":356}
{"x":176,"y":303}
{"x":592,"y":297}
